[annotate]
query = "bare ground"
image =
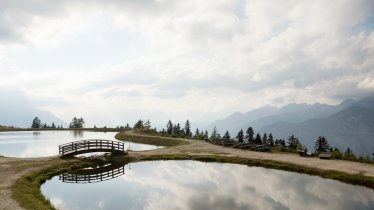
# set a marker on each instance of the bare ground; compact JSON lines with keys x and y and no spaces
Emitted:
{"x":13,"y":168}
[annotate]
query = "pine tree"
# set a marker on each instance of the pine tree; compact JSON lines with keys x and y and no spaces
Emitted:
{"x":36,"y":123}
{"x":250,"y":133}
{"x":271,"y":140}
{"x":214,"y":134}
{"x":147,"y":125}
{"x":227,"y":136}
{"x":187,"y":129}
{"x":197,"y":133}
{"x":240,"y":136}
{"x":206,"y":134}
{"x":258,"y":139}
{"x":139,"y":124}
{"x":169,"y":128}
{"x":321,"y":145}
{"x":264,"y":139}
{"x":292,"y":142}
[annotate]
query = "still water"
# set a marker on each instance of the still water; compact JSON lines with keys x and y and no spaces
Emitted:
{"x":197,"y":185}
{"x":45,"y":143}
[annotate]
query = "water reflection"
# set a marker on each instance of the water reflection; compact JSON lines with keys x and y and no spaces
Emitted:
{"x":92,"y":175}
{"x":197,"y":185}
{"x":45,"y":143}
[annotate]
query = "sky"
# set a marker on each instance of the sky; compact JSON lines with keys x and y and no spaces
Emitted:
{"x":114,"y":61}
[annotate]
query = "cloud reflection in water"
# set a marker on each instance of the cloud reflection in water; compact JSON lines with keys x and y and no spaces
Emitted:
{"x":197,"y":185}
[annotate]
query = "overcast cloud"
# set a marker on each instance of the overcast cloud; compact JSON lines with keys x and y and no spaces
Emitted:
{"x":113,"y":62}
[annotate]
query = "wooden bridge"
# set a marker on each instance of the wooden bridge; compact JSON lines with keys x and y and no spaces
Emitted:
{"x":92,"y":145}
{"x":93,"y":175}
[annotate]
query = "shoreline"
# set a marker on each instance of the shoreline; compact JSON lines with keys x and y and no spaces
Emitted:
{"x":18,"y":175}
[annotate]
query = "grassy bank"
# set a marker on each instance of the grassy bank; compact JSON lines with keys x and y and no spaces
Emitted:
{"x":26,"y":190}
{"x":154,"y":140}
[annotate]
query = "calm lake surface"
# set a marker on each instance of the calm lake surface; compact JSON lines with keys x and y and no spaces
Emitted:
{"x":197,"y":185}
{"x":45,"y":143}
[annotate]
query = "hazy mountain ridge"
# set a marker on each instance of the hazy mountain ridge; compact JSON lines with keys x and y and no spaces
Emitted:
{"x":16,"y":110}
{"x":349,"y":124}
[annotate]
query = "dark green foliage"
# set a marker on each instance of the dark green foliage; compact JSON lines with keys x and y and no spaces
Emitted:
{"x":321,"y":145}
{"x":77,"y":123}
{"x":240,"y":136}
{"x":187,"y":129}
{"x":139,"y":125}
{"x":250,"y":133}
{"x":36,"y":123}
{"x":270,"y":140}
{"x":147,"y":125}
{"x":258,"y":139}
{"x":169,"y":128}
{"x":215,"y":135}
{"x":292,"y":142}
{"x":227,"y":136}
{"x":264,"y":139}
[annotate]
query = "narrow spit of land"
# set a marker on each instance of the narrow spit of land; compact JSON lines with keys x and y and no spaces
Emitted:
{"x":196,"y":147}
{"x":12,"y":169}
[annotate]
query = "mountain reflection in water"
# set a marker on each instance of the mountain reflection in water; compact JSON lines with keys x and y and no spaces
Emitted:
{"x":198,"y":185}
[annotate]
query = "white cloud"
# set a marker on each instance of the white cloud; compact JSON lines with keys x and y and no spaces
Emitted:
{"x":189,"y":59}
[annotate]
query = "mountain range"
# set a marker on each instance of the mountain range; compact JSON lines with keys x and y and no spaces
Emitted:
{"x":349,"y":124}
{"x":16,"y":110}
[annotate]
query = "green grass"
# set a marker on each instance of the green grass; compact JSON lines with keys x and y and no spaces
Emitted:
{"x":153,"y":140}
{"x":27,"y":192}
{"x":26,"y":189}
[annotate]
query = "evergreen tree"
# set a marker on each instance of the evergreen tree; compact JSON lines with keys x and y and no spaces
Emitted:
{"x":36,"y":123}
{"x":169,"y":127}
{"x":187,"y":129}
{"x":53,"y":125}
{"x":271,"y":140}
{"x":258,"y":139}
{"x":321,"y":145}
{"x":139,"y":125}
{"x":147,"y":125}
{"x":206,"y":134}
{"x":292,"y":142}
{"x":197,"y":133}
{"x":264,"y":139}
{"x":227,"y":136}
{"x":214,"y":134}
{"x":177,"y":130}
{"x":240,"y":136}
{"x":250,"y":133}
{"x":127,"y":126}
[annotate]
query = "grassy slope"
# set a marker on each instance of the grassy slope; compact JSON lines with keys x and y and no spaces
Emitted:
{"x":154,"y":140}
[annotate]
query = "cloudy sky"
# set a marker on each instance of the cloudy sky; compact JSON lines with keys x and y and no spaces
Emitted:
{"x":116,"y":61}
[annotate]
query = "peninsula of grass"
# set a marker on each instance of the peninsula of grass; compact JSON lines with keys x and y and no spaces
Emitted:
{"x":26,"y":190}
{"x":153,"y":140}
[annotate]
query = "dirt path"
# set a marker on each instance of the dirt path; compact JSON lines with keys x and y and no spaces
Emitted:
{"x":13,"y":168}
{"x":202,"y":147}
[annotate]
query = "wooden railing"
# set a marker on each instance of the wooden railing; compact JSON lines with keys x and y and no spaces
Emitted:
{"x":92,"y":175}
{"x":93,"y":145}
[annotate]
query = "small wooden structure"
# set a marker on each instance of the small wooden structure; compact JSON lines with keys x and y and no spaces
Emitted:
{"x":93,"y":145}
{"x":93,"y":175}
